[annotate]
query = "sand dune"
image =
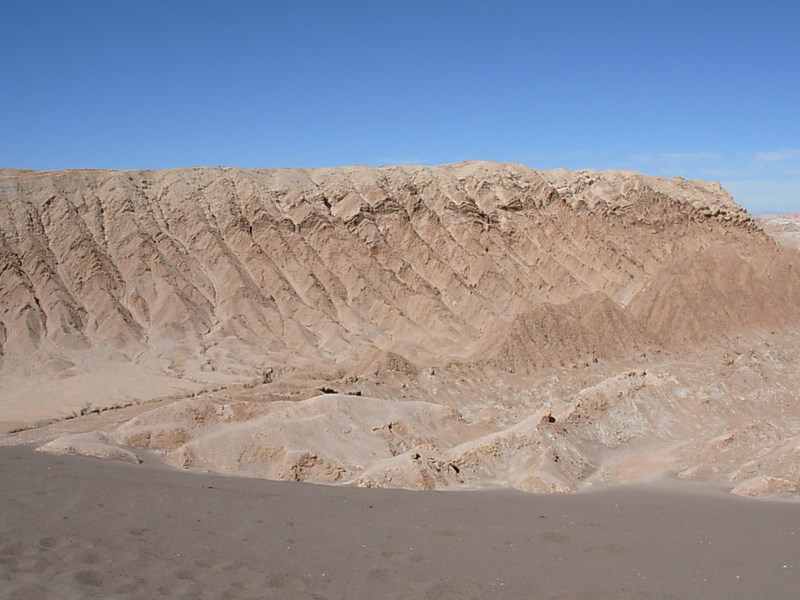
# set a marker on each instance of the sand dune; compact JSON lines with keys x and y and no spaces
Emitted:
{"x":75,"y":527}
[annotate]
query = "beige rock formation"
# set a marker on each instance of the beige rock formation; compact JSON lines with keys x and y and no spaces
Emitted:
{"x":425,"y":327}
{"x":98,"y":445}
{"x":785,"y":229}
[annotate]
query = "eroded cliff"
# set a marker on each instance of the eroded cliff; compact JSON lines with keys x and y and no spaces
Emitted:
{"x":119,"y":287}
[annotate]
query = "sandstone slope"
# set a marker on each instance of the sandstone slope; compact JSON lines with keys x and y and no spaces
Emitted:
{"x":466,"y":287}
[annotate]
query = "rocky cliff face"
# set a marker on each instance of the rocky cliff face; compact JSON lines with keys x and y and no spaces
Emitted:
{"x":117,"y":287}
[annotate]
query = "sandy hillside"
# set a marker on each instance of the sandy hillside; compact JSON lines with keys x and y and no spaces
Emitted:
{"x":424,"y":327}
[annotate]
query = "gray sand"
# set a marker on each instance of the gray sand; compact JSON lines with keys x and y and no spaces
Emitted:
{"x":75,"y":527}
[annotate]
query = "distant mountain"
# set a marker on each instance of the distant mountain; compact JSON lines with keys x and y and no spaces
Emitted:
{"x":785,"y":229}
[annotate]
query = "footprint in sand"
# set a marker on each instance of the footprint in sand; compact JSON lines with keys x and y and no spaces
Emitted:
{"x":449,"y":533}
{"x":606,"y":548}
{"x":26,"y":592}
{"x":555,"y":537}
{"x":14,"y":549}
{"x":184,"y":574}
{"x":50,"y":542}
{"x":286,"y":581}
{"x":377,"y":574}
{"x":93,"y":578}
{"x":89,"y":557}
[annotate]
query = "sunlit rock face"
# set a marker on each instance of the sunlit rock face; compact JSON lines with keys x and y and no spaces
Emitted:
{"x":502,"y":293}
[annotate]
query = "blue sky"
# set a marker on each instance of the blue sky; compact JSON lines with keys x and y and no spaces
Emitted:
{"x":696,"y":89}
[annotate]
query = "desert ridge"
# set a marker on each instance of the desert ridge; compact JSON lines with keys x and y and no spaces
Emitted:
{"x":452,"y":327}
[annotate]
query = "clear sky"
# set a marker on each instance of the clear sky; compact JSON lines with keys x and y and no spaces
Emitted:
{"x":699,"y":89}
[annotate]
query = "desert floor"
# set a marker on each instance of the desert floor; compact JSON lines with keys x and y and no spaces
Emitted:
{"x":75,"y":527}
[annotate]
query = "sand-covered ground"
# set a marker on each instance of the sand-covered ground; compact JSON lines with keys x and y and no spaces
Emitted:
{"x":78,"y":527}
